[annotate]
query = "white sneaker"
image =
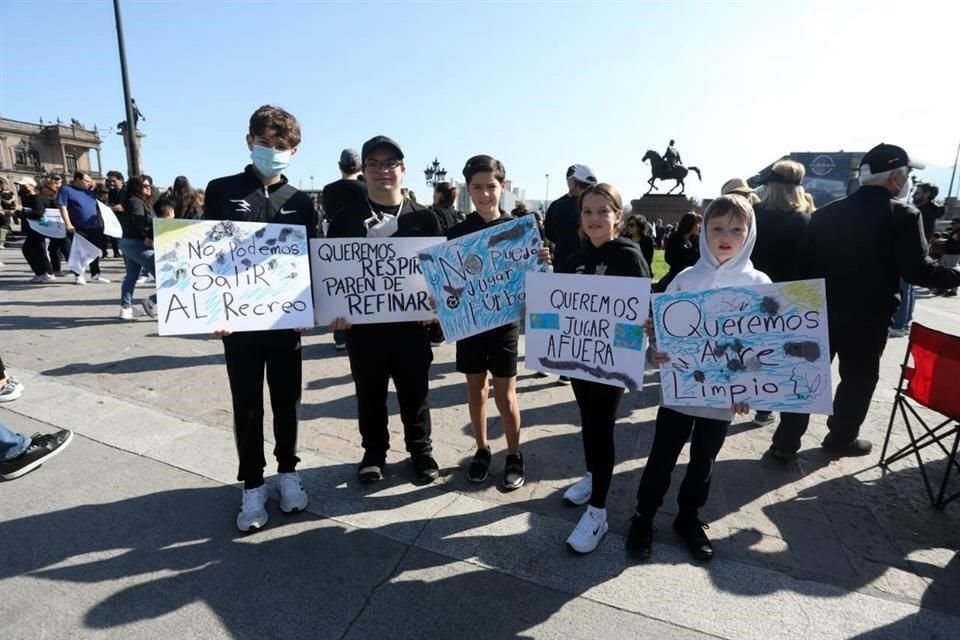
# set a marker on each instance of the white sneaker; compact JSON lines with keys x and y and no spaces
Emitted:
{"x":11,"y":390}
{"x":292,"y":496}
{"x":49,"y":277}
{"x":141,"y":280}
{"x":579,"y":493}
{"x":80,"y":280}
{"x":150,"y":278}
{"x":126,"y":313}
{"x":100,"y":278}
{"x":589,"y":531}
{"x":38,"y":279}
{"x":253,"y":512}
{"x":149,"y":307}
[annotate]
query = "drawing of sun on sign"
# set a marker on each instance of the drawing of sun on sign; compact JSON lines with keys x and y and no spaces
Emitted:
{"x":235,"y":276}
{"x":587,"y":327}
{"x":766,"y":345}
{"x":477,"y":280}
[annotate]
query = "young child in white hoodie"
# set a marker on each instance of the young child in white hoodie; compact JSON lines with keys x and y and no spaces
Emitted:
{"x":726,"y":243}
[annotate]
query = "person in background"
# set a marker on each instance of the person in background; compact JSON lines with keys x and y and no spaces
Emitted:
{"x":346,"y":194}
{"x":951,"y":252}
{"x":681,"y":248}
{"x":445,"y":205}
{"x":186,"y":201}
{"x":638,"y":230}
{"x":137,"y":245}
{"x":782,"y":217}
{"x":34,"y":202}
{"x":862,"y":245}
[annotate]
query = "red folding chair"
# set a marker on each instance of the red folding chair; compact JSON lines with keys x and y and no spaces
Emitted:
{"x":933,"y":382}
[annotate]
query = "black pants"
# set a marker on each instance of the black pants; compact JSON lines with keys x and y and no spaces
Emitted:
{"x":114,"y":246}
{"x":400,"y":351}
{"x":673,"y":430}
{"x":247,"y":355}
{"x":35,"y":252}
{"x":96,"y":237}
{"x":58,"y":250}
{"x":859,"y":345}
{"x":3,"y":372}
{"x":598,"y":405}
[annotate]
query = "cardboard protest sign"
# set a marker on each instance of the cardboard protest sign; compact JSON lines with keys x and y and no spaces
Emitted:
{"x":477,"y":280}
{"x":50,"y":225}
{"x":766,"y":345}
{"x":587,"y":327}
{"x":111,"y":226}
{"x":236,"y":276}
{"x":369,"y":280}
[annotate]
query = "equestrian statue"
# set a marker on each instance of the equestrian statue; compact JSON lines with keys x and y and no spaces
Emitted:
{"x":669,"y":167}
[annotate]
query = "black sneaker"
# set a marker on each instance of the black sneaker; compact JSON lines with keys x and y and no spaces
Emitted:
{"x":640,"y":539}
{"x":426,"y":467}
{"x":564,"y":380}
{"x":783,"y":455}
{"x":853,"y":448}
{"x":692,"y":531}
{"x":513,"y":472}
{"x":41,"y":449}
{"x":371,"y":468}
{"x":480,"y":467}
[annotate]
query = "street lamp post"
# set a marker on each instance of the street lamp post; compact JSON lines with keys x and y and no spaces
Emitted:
{"x":133,"y":154}
{"x":546,"y":195}
{"x":434,"y":173}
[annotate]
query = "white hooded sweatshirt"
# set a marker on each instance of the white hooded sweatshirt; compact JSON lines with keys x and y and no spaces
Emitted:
{"x":707,"y":273}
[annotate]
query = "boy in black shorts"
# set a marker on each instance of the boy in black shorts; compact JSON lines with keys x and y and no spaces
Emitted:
{"x":494,"y":350}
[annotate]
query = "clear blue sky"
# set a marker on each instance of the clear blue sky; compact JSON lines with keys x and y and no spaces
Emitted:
{"x":538,"y":85}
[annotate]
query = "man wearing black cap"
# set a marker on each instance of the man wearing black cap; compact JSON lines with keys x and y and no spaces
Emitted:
{"x":862,"y":245}
{"x":346,"y":194}
{"x":397,"y":350}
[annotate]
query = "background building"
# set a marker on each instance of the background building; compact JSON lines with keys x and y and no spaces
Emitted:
{"x":28,"y":149}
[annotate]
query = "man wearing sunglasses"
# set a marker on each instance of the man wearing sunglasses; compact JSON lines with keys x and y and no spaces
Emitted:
{"x":396,"y":350}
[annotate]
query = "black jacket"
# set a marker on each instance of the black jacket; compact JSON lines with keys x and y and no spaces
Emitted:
{"x":137,"y":219}
{"x":862,"y":245}
{"x":619,"y":257}
{"x":343,"y":195}
{"x":779,"y":234}
{"x":243,"y":198}
{"x":448,"y":217}
{"x":930,"y":212}
{"x":561,"y":226}
{"x":414,"y":220}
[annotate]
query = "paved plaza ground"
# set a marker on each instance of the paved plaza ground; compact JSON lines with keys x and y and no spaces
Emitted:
{"x":130,"y":533}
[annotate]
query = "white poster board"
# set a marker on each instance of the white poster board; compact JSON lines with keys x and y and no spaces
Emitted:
{"x":368,"y":280}
{"x":587,"y":327}
{"x":766,"y":345}
{"x":50,"y":225}
{"x":234,"y":276}
{"x":111,"y":226}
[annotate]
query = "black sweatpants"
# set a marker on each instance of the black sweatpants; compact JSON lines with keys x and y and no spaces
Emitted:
{"x":379,"y":352}
{"x":247,"y":355}
{"x":858,"y":342}
{"x":673,"y":430}
{"x":598,"y":405}
{"x":35,"y":253}
{"x":58,"y":249}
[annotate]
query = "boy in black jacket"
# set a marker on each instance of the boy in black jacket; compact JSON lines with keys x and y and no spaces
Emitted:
{"x":261,"y":194}
{"x":397,"y":350}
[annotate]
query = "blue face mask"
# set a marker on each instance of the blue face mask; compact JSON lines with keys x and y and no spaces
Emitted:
{"x":269,"y":162}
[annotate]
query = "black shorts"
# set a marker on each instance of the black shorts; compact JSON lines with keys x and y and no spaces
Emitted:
{"x":494,"y":351}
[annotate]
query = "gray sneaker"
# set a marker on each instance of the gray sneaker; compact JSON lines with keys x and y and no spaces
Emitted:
{"x":12,"y":390}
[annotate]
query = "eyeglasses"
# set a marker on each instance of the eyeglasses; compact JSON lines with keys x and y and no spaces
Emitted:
{"x":377,"y":165}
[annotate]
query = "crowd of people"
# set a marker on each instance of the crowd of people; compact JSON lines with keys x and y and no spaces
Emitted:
{"x":862,"y":245}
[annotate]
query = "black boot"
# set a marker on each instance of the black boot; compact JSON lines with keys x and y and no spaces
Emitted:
{"x":640,"y":539}
{"x":692,"y":531}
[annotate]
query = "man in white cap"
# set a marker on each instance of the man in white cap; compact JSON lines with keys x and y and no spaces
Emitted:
{"x":862,"y":245}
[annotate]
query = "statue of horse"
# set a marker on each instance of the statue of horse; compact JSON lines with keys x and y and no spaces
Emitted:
{"x":660,"y":171}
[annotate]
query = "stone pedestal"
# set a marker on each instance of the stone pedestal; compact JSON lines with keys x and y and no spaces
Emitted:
{"x":667,"y":208}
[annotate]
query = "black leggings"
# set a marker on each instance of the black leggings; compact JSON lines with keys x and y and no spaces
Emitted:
{"x":598,"y":404}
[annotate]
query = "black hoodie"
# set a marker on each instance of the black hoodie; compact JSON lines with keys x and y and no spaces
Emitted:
{"x":619,"y":257}
{"x":243,"y":198}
